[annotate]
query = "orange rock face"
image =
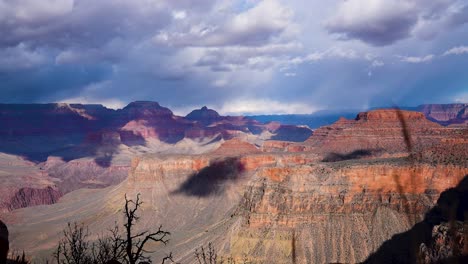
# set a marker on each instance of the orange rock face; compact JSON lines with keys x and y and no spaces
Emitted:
{"x":381,"y":132}
{"x":235,"y":147}
{"x":327,"y":209}
{"x":275,"y":146}
{"x":390,"y":115}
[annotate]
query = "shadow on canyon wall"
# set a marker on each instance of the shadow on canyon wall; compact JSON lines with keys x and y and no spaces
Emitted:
{"x":210,"y":180}
{"x":357,"y":154}
{"x":292,"y":133}
{"x":451,"y":206}
{"x":37,"y":148}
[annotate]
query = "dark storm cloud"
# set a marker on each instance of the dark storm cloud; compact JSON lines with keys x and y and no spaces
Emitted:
{"x":383,"y":22}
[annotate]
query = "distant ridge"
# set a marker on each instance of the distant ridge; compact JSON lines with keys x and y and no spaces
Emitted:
{"x":444,"y":114}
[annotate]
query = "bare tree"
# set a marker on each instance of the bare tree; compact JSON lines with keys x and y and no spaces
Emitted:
{"x":74,"y":246}
{"x":129,"y":247}
{"x":134,"y":244}
{"x":208,"y":256}
{"x":109,"y":249}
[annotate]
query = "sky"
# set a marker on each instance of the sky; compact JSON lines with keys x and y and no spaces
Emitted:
{"x":238,"y":57}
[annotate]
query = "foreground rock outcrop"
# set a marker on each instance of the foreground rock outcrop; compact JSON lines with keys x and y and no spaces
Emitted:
{"x":448,"y":244}
{"x":4,"y":244}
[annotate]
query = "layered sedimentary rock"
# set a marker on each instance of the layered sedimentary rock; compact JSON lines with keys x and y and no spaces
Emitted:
{"x":37,"y":131}
{"x":445,"y":114}
{"x":236,"y":147}
{"x":84,"y":173}
{"x":26,"y":196}
{"x":75,"y":146}
{"x":340,"y":212}
{"x":24,"y":184}
{"x":271,"y":207}
{"x":388,"y":131}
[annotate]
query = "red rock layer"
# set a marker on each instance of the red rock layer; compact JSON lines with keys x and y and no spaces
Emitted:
{"x":26,"y":197}
{"x":235,"y":147}
{"x":293,"y":196}
{"x":380,"y":131}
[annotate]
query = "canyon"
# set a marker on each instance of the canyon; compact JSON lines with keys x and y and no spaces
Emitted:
{"x":65,"y":147}
{"x":270,"y":193}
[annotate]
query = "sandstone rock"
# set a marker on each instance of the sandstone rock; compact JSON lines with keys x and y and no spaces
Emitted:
{"x":275,"y":146}
{"x":446,"y":114}
{"x":236,"y":147}
{"x":388,"y":131}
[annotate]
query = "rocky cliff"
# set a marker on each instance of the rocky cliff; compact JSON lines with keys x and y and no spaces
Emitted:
{"x":387,"y":131}
{"x":24,"y":184}
{"x":271,"y":207}
{"x":26,"y":197}
{"x":445,"y":114}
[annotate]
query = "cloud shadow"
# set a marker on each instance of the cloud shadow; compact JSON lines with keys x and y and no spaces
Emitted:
{"x":211,"y":179}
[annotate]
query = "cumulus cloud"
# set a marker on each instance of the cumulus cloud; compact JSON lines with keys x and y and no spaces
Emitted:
{"x":21,"y":57}
{"x":31,"y":11}
{"x":265,"y":22}
{"x":383,"y":22}
{"x":61,"y":23}
{"x":377,"y":63}
{"x":456,"y":51}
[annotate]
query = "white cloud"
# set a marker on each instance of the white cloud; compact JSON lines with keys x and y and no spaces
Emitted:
{"x":264,"y":106}
{"x":461,"y":98}
{"x":331,"y":53}
{"x":456,"y":51}
{"x":290,"y":74}
{"x":109,"y":103}
{"x":90,"y":94}
{"x":377,"y":63}
{"x":412,"y":59}
{"x":266,"y":22}
{"x":179,"y":14}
